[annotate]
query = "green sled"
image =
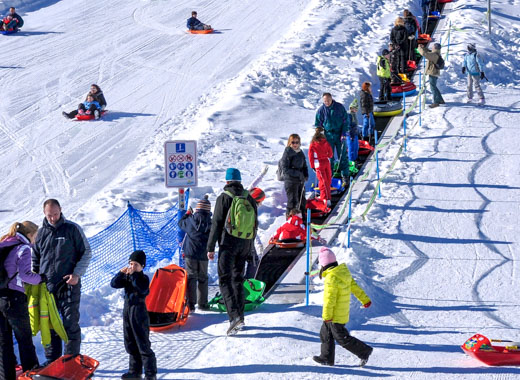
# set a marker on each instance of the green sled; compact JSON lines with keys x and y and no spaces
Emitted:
{"x":253,"y":290}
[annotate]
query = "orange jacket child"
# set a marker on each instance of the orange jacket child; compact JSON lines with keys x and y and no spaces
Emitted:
{"x":293,"y":228}
{"x":320,"y":153}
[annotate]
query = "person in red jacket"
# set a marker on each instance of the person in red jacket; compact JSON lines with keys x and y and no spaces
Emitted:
{"x":293,"y":228}
{"x":320,"y":153}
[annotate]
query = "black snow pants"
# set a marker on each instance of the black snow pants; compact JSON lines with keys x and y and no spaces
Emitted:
{"x":295,"y":196}
{"x":232,"y":256}
{"x":136,"y":330}
{"x":385,"y":90}
{"x":67,"y":301}
{"x":14,"y":317}
{"x":197,"y":282}
{"x":331,"y":332}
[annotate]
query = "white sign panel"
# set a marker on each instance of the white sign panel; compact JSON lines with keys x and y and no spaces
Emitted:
{"x":181,"y":163}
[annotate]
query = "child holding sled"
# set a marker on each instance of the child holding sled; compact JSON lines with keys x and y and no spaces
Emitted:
{"x":336,"y":304}
{"x":136,"y":323}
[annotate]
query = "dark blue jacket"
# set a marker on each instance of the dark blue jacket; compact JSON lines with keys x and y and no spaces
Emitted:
{"x":197,"y":227}
{"x":333,"y":119}
{"x":136,"y":286}
{"x":192,"y":23}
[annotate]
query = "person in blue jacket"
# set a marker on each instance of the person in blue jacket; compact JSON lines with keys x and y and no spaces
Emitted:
{"x":473,"y":66}
{"x":194,"y":24}
{"x":353,"y":134}
{"x":333,"y":118}
{"x":197,"y":226}
{"x":90,"y":106}
{"x":13,"y":21}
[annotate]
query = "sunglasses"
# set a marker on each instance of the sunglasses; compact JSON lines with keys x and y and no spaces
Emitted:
{"x":295,"y":142}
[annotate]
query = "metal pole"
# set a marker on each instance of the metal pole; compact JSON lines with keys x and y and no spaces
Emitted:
{"x":180,"y":213}
{"x":308,"y":274}
{"x":449,"y":36}
{"x":489,"y":16}
{"x":404,"y":119}
{"x":350,"y":213}
{"x":377,"y":163}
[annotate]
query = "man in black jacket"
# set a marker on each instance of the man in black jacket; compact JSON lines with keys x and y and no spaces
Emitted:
{"x":233,"y":251}
{"x":62,"y":253}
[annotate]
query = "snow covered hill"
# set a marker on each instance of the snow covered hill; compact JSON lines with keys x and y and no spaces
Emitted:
{"x":437,"y":254}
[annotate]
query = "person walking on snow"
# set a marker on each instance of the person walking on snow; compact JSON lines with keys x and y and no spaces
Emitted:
{"x":14,"y":314}
{"x":62,"y":253}
{"x":339,"y":284}
{"x":367,"y":110}
{"x":333,"y":118}
{"x":194,"y":24}
{"x":474,"y":67}
{"x":320,"y":154}
{"x":433,"y":71}
{"x":136,"y":322}
{"x":197,"y":226}
{"x":234,"y":244}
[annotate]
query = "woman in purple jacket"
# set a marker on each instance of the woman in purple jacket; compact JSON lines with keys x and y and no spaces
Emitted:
{"x":14,"y":314}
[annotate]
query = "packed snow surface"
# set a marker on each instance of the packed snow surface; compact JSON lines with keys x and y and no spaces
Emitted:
{"x":436,"y":253}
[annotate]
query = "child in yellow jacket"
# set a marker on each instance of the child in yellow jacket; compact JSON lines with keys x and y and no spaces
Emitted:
{"x":336,"y":304}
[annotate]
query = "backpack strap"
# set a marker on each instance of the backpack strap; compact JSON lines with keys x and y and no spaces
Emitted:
{"x":229,"y":193}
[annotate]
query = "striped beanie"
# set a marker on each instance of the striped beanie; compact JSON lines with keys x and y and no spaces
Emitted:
{"x":204,"y":204}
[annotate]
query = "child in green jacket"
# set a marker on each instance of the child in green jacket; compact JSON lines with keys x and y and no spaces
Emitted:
{"x":336,"y":304}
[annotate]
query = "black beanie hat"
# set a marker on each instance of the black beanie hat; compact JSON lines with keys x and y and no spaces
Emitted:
{"x":138,"y":256}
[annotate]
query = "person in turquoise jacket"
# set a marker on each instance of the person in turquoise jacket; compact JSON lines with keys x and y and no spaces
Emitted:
{"x":336,"y":310}
{"x":333,"y":118}
{"x":474,"y":68}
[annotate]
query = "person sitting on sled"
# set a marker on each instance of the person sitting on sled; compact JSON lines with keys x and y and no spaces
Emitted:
{"x":97,"y":94}
{"x":89,"y":107}
{"x":12,"y":22}
{"x":292,"y":229}
{"x":339,"y":284}
{"x":194,"y":24}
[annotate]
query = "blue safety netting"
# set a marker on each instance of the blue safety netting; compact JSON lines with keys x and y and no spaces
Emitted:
{"x":156,"y":233}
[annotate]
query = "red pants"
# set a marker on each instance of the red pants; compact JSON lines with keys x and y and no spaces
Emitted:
{"x":324,"y":174}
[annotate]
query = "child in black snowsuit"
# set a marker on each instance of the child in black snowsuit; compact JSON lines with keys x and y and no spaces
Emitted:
{"x":136,"y":323}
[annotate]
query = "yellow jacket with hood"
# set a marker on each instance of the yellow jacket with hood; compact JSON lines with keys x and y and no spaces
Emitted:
{"x":336,"y":298}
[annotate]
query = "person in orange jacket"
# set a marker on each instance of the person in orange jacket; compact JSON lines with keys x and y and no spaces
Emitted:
{"x":293,"y":228}
{"x":320,"y":153}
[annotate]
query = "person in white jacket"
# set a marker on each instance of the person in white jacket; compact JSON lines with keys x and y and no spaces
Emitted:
{"x":473,"y":67}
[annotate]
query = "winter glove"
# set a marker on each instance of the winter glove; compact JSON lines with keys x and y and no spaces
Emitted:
{"x":464,"y":70}
{"x":482,"y":75}
{"x":367,"y":305}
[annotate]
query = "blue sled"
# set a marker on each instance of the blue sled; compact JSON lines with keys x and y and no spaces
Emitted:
{"x":407,"y":93}
{"x":6,"y":32}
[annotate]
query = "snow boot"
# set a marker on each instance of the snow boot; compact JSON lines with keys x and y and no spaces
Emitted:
{"x":131,"y":375}
{"x":482,"y":102}
{"x":433,"y":105}
{"x":235,"y":326}
{"x":322,"y":361}
{"x":96,"y":114}
{"x":364,"y":360}
{"x":65,"y":114}
{"x":469,"y":100}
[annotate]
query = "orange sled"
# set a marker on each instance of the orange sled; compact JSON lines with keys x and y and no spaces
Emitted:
{"x":68,"y":367}
{"x":288,"y":243}
{"x":167,"y":302}
{"x":207,"y":31}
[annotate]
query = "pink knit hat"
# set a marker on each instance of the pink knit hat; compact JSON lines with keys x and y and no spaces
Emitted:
{"x":326,"y":257}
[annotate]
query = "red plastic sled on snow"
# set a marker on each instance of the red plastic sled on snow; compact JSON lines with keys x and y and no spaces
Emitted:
{"x":288,"y":243}
{"x":207,"y":31}
{"x":365,"y":148}
{"x":89,"y":116}
{"x":68,"y":367}
{"x":480,"y":348}
{"x":167,"y":302}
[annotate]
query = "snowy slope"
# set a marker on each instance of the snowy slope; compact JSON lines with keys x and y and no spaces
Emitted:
{"x":437,"y":254}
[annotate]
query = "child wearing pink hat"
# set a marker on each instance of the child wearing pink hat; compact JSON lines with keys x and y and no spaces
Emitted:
{"x":336,"y":304}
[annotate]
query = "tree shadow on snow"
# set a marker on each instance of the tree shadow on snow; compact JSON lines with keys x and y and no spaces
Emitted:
{"x":281,"y":369}
{"x":115,"y":115}
{"x":12,"y":67}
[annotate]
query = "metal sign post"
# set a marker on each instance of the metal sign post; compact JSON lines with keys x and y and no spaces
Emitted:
{"x":181,"y":171}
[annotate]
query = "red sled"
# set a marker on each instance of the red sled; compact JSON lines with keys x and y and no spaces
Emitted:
{"x":317,"y":207}
{"x":68,"y":367}
{"x":404,"y":87}
{"x":444,"y":1}
{"x":480,"y":348}
{"x":89,"y":116}
{"x":412,"y":65}
{"x":207,"y":31}
{"x":365,"y":148}
{"x":167,"y":303}
{"x":288,"y":243}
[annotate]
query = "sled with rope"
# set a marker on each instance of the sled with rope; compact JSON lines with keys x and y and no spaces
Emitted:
{"x":288,"y":243}
{"x":167,"y":303}
{"x":489,"y":352}
{"x":67,"y":367}
{"x":403,"y":89}
{"x":253,"y":294}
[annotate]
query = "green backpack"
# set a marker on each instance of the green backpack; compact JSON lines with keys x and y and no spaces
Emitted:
{"x":241,"y":218}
